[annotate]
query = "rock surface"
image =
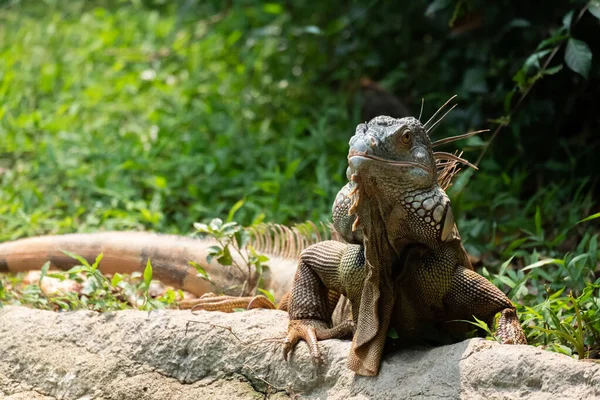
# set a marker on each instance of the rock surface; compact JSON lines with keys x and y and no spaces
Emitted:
{"x":177,"y":355}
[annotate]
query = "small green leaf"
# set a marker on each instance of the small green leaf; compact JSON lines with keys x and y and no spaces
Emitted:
{"x":216,"y":224}
{"x":567,"y":19}
{"x":268,"y":294}
{"x":556,"y":37}
{"x":560,"y":348}
{"x":435,"y":6}
{"x":225,"y":258}
{"x":534,"y":59}
{"x":82,"y":260}
{"x":505,"y":265}
{"x":148,"y":274}
{"x":44,"y":270}
{"x":97,"y":262}
{"x":213,"y":251}
{"x":507,"y":281}
{"x":478,"y":323}
{"x":291,"y":168}
{"x":312,"y":29}
{"x":259,"y":219}
{"x":482,"y":324}
{"x":578,"y":57}
{"x":553,"y":70}
{"x":262,"y":258}
{"x":116,"y":279}
{"x":234,"y":37}
{"x":594,"y":8}
{"x":575,"y":259}
{"x":591,"y":217}
{"x":544,"y":262}
{"x":160,"y":182}
{"x":230,"y":228}
{"x":203,"y":228}
{"x":273,"y":8}
{"x":57,"y":275}
{"x":169,"y":296}
{"x":241,"y":238}
{"x":460,"y":183}
{"x":520,"y":78}
{"x":201,"y":271}
{"x":392,"y":333}
{"x":235,"y":209}
{"x":518,"y":23}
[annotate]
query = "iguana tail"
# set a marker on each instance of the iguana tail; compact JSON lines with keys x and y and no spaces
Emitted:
{"x":128,"y":252}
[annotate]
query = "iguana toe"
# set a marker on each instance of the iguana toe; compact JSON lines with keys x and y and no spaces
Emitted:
{"x":311,"y":331}
{"x":227,"y":303}
{"x":509,"y":328}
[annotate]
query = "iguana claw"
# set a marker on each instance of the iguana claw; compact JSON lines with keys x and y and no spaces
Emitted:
{"x":311,"y":331}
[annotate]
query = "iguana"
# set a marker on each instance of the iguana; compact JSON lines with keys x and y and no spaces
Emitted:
{"x":410,"y":272}
{"x":407,"y":268}
{"x":404,"y":266}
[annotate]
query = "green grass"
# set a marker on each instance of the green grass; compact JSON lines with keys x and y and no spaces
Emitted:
{"x":110,"y":119}
{"x":134,"y":117}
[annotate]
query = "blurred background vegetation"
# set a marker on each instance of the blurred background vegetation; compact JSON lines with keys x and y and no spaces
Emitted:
{"x":150,"y":115}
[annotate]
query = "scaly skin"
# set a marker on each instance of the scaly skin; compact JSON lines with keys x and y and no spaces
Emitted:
{"x":409,"y":269}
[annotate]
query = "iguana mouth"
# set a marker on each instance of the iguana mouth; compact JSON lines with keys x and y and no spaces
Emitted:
{"x":354,"y":155}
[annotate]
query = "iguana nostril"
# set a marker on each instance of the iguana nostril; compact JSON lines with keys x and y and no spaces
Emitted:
{"x":420,"y":154}
{"x":362,"y":146}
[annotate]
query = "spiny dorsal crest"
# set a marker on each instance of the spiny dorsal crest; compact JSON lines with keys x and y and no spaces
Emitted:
{"x":288,"y":242}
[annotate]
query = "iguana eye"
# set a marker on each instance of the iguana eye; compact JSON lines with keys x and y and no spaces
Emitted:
{"x":405,"y":137}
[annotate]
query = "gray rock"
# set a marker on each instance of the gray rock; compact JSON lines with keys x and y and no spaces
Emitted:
{"x":177,"y":355}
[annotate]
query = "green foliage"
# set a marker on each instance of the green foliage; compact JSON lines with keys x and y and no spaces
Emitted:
{"x":578,"y":57}
{"x":483,"y":326}
{"x":230,"y":237}
{"x":98,"y":292}
{"x":153,"y":115}
{"x":268,"y":294}
{"x":572,"y":322}
{"x":591,"y":217}
{"x":112,"y":118}
{"x":567,"y":324}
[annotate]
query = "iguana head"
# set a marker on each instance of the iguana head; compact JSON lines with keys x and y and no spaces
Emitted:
{"x":395,"y":171}
{"x":396,"y":146}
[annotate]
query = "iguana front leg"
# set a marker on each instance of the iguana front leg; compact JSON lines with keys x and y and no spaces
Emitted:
{"x":326,"y":270}
{"x":471,"y":295}
{"x":439,"y":290}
